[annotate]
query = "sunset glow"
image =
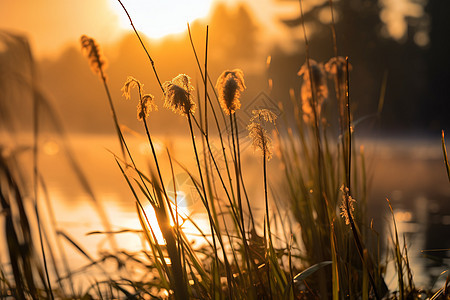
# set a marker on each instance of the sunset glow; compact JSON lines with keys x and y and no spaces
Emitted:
{"x":160,"y":18}
{"x":183,"y":212}
{"x":224,"y":149}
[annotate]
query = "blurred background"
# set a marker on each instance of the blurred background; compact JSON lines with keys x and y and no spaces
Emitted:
{"x":405,"y":41}
{"x":399,"y":51}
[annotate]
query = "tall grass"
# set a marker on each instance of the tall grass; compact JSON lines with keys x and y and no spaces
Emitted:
{"x":241,"y":258}
{"x":260,"y":273}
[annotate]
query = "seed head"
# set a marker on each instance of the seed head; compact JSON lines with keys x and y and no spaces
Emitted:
{"x":146,"y":102}
{"x":338,"y":65}
{"x":178,"y":95}
{"x":308,"y":115}
{"x":347,"y":202}
{"x":319,"y":84}
{"x":260,"y":139}
{"x":145,"y":106}
{"x":318,"y":79}
{"x":336,"y":68}
{"x":264,"y":114}
{"x":230,"y":84}
{"x":92,"y":51}
{"x":129,"y":84}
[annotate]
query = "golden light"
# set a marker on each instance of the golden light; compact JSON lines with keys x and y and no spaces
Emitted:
{"x":50,"y":147}
{"x":183,"y":212}
{"x":156,"y":18}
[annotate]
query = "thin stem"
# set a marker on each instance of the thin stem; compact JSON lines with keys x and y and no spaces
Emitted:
{"x":240,"y":172}
{"x":205,"y":82}
{"x":54,"y":228}
{"x":177,"y":223}
{"x":36,"y":187}
{"x":349,"y":127}
{"x":123,"y":144}
{"x":358,"y":242}
{"x":266,"y":200}
{"x":323,"y":210}
{"x":113,"y":112}
{"x":147,"y":131}
{"x":211,"y":220}
{"x":143,"y":46}
{"x":267,"y":241}
{"x":232,"y":206}
{"x":444,"y":151}
{"x":236,"y":170}
{"x":238,"y":192}
{"x":321,"y":179}
{"x":339,"y":97}
{"x":213,"y":110}
{"x":180,"y":283}
{"x":359,"y":245}
{"x":203,"y":78}
{"x":333,"y":29}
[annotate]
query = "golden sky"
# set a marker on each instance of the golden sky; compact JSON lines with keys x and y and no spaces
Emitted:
{"x":51,"y":25}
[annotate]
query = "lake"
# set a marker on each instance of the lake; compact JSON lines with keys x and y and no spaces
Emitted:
{"x":409,"y":171}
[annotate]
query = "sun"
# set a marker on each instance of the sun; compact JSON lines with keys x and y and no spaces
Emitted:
{"x":157,"y":18}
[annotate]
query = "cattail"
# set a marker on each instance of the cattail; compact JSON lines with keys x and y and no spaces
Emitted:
{"x":146,"y":102}
{"x":230,"y":84}
{"x":347,"y":205}
{"x":92,"y":51}
{"x":178,"y":95}
{"x":320,"y":88}
{"x":260,"y":137}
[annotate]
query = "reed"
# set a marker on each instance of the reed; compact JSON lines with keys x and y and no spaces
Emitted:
{"x":323,"y":192}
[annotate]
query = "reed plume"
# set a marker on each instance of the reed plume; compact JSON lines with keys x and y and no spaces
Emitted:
{"x":178,"y":95}
{"x":145,"y":106}
{"x":338,"y":66}
{"x":229,"y":85}
{"x":347,"y":205}
{"x":317,"y":79}
{"x":97,"y":62}
{"x":92,"y":51}
{"x":264,"y":114}
{"x":260,"y":138}
{"x":146,"y":102}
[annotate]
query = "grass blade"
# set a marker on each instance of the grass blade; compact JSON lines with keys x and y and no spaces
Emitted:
{"x":444,"y":150}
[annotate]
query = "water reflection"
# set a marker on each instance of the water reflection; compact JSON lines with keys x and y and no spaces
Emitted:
{"x":407,"y":172}
{"x":411,"y":174}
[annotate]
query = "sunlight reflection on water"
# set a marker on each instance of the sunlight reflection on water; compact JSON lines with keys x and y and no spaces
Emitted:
{"x":411,"y":174}
{"x":407,"y":172}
